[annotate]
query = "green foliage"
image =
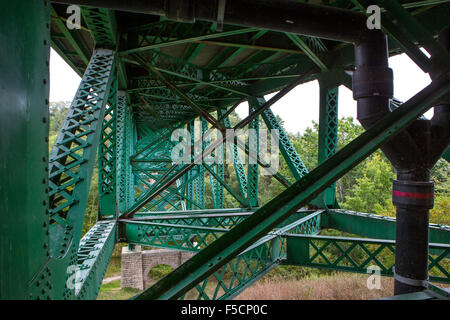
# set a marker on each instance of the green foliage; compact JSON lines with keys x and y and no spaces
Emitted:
{"x":372,"y":190}
{"x":440,"y":214}
{"x":160,"y":271}
{"x":58,"y":111}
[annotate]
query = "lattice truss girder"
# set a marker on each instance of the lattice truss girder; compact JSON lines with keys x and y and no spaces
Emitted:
{"x":207,"y":86}
{"x":206,"y":265}
{"x":70,"y":169}
{"x":132,"y":130}
{"x":294,"y":242}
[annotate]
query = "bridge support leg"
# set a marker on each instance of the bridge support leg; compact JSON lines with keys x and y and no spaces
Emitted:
{"x":108,"y":156}
{"x":328,"y":127}
{"x":24,"y":89}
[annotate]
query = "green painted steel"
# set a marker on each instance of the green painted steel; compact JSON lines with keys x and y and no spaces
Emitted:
{"x":170,"y":75}
{"x":375,"y":226}
{"x":107,"y":157}
{"x":221,"y":251}
{"x":180,"y":36}
{"x":125,"y":149}
{"x":328,"y":131}
{"x":122,"y":154}
{"x":24,"y":91}
{"x":71,"y":164}
{"x":94,"y":252}
{"x":220,"y":173}
{"x":253,"y":263}
{"x":253,"y":145}
{"x":290,"y":155}
{"x":190,"y":185}
{"x":65,"y":181}
{"x":102,"y":25}
{"x":178,"y":231}
{"x":357,"y":255}
{"x":238,"y":165}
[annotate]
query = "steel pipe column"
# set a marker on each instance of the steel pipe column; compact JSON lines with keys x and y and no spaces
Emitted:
{"x":413,"y":153}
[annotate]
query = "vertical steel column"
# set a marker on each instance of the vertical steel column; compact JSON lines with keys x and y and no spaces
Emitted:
{"x":200,"y":196}
{"x":253,"y":144}
{"x":122,"y":152}
{"x":199,"y":182}
{"x":129,"y":142}
{"x":190,"y":184}
{"x":107,"y":157}
{"x":216,"y":186}
{"x":328,"y":128}
{"x":237,"y":161}
{"x":220,"y":168}
{"x":24,"y":89}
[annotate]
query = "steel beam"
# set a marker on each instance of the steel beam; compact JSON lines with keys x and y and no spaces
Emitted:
{"x":357,"y":255}
{"x":24,"y":91}
{"x":328,"y":127}
{"x":239,"y":238}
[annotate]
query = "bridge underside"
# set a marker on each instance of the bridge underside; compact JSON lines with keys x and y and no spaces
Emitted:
{"x":149,"y":71}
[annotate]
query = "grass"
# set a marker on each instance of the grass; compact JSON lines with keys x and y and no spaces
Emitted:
{"x":160,"y":271}
{"x":114,"y":267}
{"x":280,"y":286}
{"x":112,"y":291}
{"x":338,"y":286}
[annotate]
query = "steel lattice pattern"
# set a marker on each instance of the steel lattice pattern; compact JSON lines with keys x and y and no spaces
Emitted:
{"x":72,"y":152}
{"x":144,"y":76}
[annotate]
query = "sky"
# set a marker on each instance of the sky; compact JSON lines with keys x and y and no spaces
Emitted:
{"x":298,"y":108}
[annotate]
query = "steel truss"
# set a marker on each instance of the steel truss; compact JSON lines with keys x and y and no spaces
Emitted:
{"x":142,"y":83}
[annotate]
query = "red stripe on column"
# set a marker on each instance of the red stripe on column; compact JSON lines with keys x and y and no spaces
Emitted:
{"x":413,"y":195}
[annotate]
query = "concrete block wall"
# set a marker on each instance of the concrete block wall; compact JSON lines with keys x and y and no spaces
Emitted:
{"x":136,"y":264}
{"x":131,"y":269}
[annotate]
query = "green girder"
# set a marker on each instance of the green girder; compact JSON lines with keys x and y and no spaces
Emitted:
{"x":237,"y":161}
{"x":356,"y":255}
{"x":224,"y":249}
{"x":107,"y":157}
{"x":73,"y":154}
{"x":328,"y":130}
{"x":253,"y":143}
{"x":94,"y":252}
{"x":142,"y":80}
{"x":247,"y":267}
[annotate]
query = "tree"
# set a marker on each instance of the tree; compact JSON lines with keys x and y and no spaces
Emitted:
{"x":372,"y":190}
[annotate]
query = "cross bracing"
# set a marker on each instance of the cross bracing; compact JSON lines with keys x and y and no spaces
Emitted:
{"x":146,"y":73}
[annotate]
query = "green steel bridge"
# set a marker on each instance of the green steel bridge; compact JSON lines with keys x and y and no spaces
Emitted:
{"x":150,"y":67}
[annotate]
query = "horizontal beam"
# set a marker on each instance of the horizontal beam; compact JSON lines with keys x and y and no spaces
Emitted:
{"x":249,"y":266}
{"x":357,"y":255}
{"x":306,"y":19}
{"x":188,"y":40}
{"x":375,"y":226}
